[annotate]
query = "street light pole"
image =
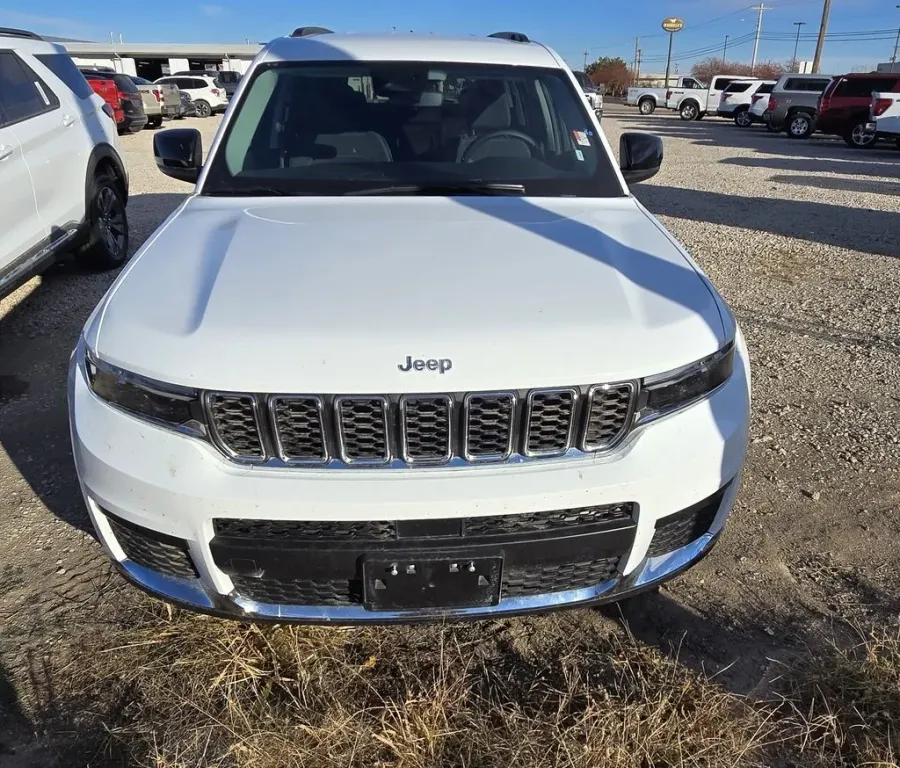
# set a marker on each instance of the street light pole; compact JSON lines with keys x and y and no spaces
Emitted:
{"x":799,"y":25}
{"x":724,"y":51}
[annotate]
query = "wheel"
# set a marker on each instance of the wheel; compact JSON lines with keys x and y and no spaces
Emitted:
{"x":858,"y":137}
{"x":154,"y":122}
{"x":800,"y":125}
{"x":107,"y":245}
{"x":742,"y":119}
{"x":647,"y":106}
{"x":689,"y":111}
{"x":203,"y":108}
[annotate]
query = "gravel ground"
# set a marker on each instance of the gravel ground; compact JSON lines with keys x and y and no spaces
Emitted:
{"x":801,"y":238}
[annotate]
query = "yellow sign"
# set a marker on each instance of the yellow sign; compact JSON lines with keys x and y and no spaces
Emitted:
{"x":673,"y":24}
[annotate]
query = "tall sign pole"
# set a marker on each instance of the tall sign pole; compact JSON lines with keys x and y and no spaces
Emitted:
{"x":671,"y":25}
{"x":799,"y":25}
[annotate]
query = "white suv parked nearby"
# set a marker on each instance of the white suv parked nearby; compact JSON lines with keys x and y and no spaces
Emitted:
{"x":64,"y":184}
{"x":410,"y":349}
{"x":208,"y":96}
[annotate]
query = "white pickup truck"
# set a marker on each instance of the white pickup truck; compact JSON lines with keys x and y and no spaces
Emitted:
{"x":693,"y":103}
{"x":648,"y":99}
{"x":885,"y":116}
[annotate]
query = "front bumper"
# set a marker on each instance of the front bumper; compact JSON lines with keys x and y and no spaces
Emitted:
{"x":258,"y":543}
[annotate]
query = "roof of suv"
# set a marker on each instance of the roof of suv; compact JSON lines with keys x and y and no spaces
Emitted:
{"x":392,"y":47}
{"x":23,"y":40}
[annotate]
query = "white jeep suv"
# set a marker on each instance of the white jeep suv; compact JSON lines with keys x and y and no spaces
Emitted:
{"x":64,"y":184}
{"x":410,"y":350}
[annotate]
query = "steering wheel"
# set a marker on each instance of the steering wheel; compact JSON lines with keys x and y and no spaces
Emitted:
{"x":509,"y":133}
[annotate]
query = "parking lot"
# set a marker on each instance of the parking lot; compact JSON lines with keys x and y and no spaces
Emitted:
{"x":801,"y":239}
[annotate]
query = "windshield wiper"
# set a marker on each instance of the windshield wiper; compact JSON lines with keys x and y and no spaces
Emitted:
{"x":444,"y":189}
{"x":248,"y":192}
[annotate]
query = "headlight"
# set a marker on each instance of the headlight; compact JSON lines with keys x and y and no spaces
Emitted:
{"x":163,"y":404}
{"x":671,"y":391}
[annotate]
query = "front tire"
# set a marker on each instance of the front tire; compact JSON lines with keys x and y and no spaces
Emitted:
{"x":800,"y":125}
{"x":155,"y":122}
{"x":859,"y":138}
{"x":107,"y":245}
{"x":203,"y":108}
{"x":689,"y":111}
{"x":647,"y":106}
{"x":742,"y":119}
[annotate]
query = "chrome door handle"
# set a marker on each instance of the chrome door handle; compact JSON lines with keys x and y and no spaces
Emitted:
{"x":68,"y":120}
{"x":5,"y":151}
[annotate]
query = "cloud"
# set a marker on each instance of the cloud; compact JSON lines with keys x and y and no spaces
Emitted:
{"x":50,"y":25}
{"x":212,"y":10}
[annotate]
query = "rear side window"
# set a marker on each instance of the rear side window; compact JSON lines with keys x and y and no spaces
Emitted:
{"x":61,"y":65}
{"x":863,"y":87}
{"x":738,"y":87}
{"x":196,"y":82}
{"x":722,"y":82}
{"x":811,"y":85}
{"x":693,"y":84}
{"x":125,"y":84}
{"x":22,"y":93}
{"x":765,"y":88}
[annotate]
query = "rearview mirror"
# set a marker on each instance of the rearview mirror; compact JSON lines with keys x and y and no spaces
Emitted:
{"x":179,"y":153}
{"x":640,"y":156}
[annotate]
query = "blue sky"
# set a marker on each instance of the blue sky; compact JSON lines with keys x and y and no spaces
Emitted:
{"x":604,"y":27}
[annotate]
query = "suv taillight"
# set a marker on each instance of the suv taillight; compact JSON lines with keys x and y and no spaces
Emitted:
{"x":881,"y":106}
{"x":215,"y":91}
{"x":158,"y":93}
{"x":773,"y":103}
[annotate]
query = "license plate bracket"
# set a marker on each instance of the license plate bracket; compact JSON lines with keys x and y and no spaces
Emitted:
{"x":410,"y":581}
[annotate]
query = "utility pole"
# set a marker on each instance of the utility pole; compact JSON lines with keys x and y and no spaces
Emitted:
{"x":724,"y":51}
{"x":637,"y":45}
{"x":759,"y":8}
{"x":585,"y":62}
{"x":638,"y":75}
{"x":896,"y":48}
{"x":799,"y":25}
{"x":823,"y":28}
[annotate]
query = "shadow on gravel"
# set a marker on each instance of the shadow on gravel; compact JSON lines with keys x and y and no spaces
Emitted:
{"x":843,"y":185}
{"x":856,"y":229}
{"x":882,"y":165}
{"x":36,"y":339}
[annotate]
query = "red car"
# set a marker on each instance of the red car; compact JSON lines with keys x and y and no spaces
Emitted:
{"x":844,"y":106}
{"x":122,"y":95}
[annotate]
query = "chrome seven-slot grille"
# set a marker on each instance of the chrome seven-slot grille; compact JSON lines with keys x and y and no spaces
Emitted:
{"x":419,"y":430}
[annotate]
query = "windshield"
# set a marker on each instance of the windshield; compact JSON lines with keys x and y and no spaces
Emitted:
{"x":331,"y":128}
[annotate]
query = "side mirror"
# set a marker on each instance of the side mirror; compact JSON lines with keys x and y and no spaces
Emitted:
{"x":179,"y":153}
{"x":640,"y":156}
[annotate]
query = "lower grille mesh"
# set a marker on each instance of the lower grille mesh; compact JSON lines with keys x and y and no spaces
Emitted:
{"x":299,"y":591}
{"x":556,"y":577}
{"x":681,"y":529}
{"x":156,"y":551}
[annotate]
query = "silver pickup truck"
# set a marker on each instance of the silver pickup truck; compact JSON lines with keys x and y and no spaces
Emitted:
{"x":160,"y":100}
{"x":648,"y":99}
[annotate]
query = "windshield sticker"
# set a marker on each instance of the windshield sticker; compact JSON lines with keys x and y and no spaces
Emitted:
{"x":579,"y":154}
{"x":581,"y":138}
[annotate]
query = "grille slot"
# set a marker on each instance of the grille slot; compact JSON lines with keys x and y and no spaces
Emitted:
{"x":299,"y":429}
{"x":305,"y":591}
{"x":156,"y":551}
{"x":549,"y":419}
{"x":536,"y":522}
{"x":362,"y":429}
{"x":525,"y":580}
{"x":308,"y":530}
{"x":235,"y":423}
{"x":679,"y":530}
{"x":488,"y":434}
{"x":425,"y":428}
{"x":609,"y":415}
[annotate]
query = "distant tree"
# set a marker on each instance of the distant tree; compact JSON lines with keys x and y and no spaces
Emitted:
{"x":705,"y":70}
{"x":612,"y":72}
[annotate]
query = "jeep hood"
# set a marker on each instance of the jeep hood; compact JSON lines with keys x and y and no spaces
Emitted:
{"x":332,"y":295}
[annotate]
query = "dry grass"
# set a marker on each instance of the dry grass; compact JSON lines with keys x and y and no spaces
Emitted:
{"x":185,"y":690}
